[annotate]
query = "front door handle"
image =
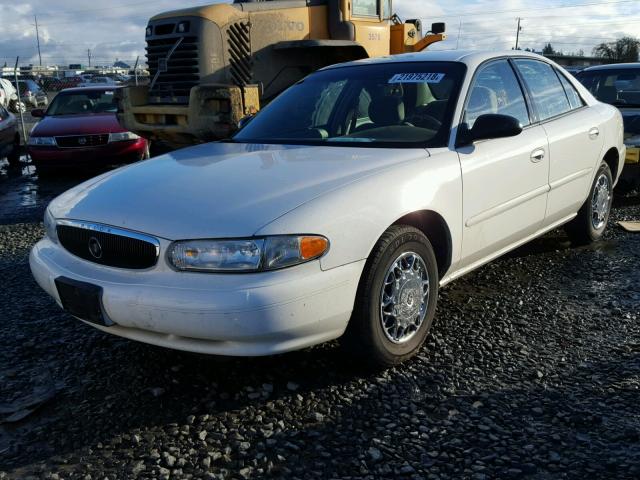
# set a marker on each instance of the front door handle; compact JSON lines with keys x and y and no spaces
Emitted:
{"x":593,"y":133}
{"x":537,"y":155}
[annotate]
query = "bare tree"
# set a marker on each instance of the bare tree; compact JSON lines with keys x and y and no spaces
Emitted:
{"x":624,"y":49}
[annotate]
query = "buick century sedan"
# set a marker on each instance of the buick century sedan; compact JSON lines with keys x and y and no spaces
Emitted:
{"x":339,"y":210}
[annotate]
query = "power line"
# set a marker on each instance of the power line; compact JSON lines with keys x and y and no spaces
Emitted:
{"x":520,"y":10}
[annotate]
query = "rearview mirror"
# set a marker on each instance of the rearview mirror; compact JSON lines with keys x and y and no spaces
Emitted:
{"x":493,"y":125}
{"x":37,"y":113}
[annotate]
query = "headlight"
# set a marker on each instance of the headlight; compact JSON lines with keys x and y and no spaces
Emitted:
{"x":50,"y":226}
{"x":122,"y":137}
{"x":183,"y":27}
{"x":246,"y":255}
{"x":149,"y":31}
{"x":42,"y":141}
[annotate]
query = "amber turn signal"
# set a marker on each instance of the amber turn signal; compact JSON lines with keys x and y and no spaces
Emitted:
{"x":312,"y":247}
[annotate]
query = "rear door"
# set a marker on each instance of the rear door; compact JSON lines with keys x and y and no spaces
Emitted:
{"x":505,"y":180}
{"x":575,"y":142}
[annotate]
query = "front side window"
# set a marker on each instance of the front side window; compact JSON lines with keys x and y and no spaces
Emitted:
{"x":365,"y":8}
{"x":388,"y":104}
{"x":547,"y":93}
{"x":83,"y":103}
{"x":496,"y":90}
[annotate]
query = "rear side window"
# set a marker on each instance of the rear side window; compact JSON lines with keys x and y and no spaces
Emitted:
{"x":496,"y":90}
{"x":575,"y":101}
{"x":546,"y":90}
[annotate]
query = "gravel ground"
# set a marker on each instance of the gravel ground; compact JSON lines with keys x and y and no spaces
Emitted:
{"x":532,"y":370}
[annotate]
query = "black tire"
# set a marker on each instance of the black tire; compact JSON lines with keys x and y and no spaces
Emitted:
{"x":581,"y":230}
{"x":14,"y":155}
{"x":365,"y":337}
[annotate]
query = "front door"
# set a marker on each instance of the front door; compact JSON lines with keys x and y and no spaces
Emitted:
{"x":505,"y":180}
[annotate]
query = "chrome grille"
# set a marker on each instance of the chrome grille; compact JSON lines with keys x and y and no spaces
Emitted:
{"x":115,"y":247}
{"x":82,"y":141}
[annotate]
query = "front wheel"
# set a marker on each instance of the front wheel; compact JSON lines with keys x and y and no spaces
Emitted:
{"x":396,"y":299}
{"x":592,"y":219}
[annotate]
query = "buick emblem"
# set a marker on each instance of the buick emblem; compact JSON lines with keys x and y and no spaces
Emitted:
{"x":95,"y":249}
{"x":83,"y":141}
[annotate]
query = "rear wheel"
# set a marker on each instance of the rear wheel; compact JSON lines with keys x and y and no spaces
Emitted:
{"x":593,"y":217}
{"x":396,"y":299}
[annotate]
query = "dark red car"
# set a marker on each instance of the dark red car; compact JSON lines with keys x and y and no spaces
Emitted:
{"x":80,"y":128}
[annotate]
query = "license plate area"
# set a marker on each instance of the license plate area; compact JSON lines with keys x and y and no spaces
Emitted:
{"x":82,"y":300}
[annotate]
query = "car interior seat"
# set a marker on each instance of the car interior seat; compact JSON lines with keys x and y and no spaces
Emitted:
{"x":607,"y":94}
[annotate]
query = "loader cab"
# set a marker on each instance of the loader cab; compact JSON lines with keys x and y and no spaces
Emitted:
{"x":370,"y":20}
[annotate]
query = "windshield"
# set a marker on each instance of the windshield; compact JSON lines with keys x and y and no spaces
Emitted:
{"x":83,"y":103}
{"x":620,"y":87}
{"x":390,"y":104}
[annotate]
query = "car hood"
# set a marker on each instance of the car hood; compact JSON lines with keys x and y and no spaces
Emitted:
{"x":77,"y":125}
{"x":220,"y":189}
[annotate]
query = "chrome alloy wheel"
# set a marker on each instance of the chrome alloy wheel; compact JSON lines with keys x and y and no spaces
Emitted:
{"x":404,"y":298}
{"x":600,"y":202}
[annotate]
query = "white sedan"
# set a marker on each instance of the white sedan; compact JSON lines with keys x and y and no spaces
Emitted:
{"x":339,"y":210}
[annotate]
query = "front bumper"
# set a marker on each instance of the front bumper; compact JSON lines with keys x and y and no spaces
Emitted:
{"x":112,"y":153}
{"x":223,"y":314}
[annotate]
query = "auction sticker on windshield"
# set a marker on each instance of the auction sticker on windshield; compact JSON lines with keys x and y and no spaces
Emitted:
{"x":417,"y":78}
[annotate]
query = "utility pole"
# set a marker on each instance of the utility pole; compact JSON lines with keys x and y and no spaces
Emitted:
{"x":89,"y":55}
{"x":459,"y":33}
{"x":38,"y":39}
{"x":518,"y":33}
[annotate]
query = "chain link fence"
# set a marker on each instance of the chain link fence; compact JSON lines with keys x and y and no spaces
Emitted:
{"x":24,"y":88}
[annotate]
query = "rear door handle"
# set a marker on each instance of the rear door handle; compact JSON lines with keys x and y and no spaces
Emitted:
{"x":537,"y":155}
{"x":593,"y":133}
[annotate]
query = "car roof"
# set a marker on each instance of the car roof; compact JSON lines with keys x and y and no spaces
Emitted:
{"x":471,"y":58}
{"x":91,"y":89}
{"x":613,"y":66}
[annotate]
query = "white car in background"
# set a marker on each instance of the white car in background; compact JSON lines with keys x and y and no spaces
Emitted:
{"x":8,"y":95}
{"x":339,"y":210}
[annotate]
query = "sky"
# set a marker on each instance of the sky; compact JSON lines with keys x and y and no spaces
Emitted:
{"x":115,"y":29}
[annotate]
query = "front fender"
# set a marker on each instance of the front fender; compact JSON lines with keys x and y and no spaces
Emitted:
{"x":354,"y":216}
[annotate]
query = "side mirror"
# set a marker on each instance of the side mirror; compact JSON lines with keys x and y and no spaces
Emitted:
{"x":438,"y":28}
{"x":245,"y":120}
{"x":492,"y":125}
{"x":37,"y":113}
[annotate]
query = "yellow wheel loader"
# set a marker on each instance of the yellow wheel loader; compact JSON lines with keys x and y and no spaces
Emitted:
{"x":211,"y":66}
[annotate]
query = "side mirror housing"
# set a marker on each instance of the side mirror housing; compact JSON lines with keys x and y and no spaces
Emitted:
{"x":438,"y":28}
{"x":489,"y":126}
{"x":37,"y":113}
